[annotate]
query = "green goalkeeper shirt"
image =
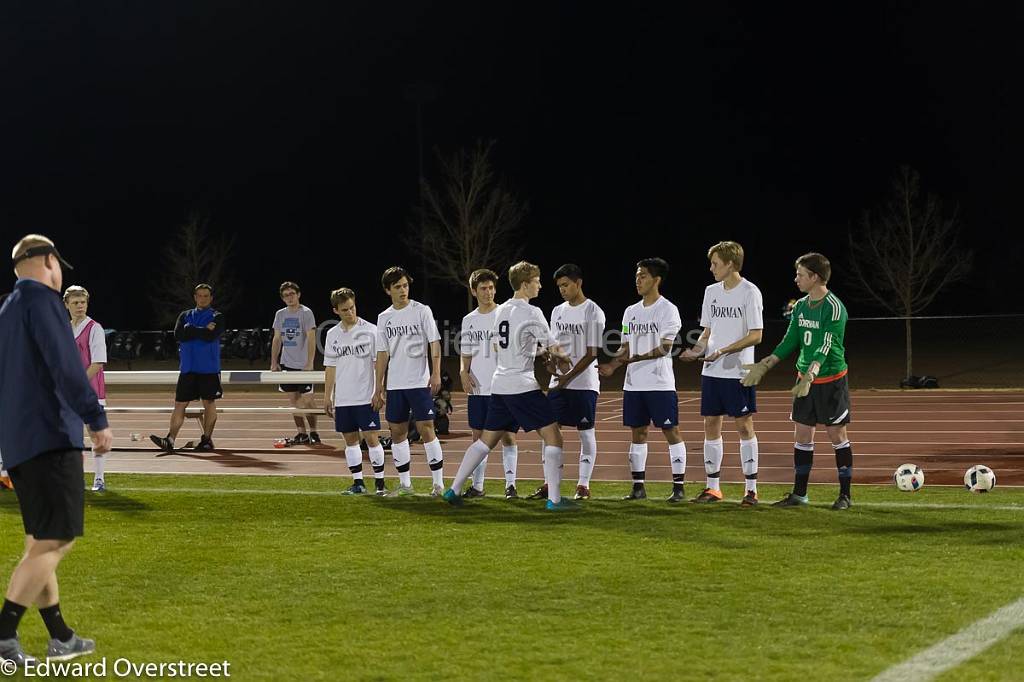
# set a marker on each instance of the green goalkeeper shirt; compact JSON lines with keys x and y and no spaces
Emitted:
{"x":817,"y":329}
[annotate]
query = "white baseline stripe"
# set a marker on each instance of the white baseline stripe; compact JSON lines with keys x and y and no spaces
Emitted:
{"x":957,"y":648}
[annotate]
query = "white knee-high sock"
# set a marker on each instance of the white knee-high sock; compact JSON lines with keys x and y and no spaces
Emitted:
{"x":401,"y":455}
{"x":713,"y":453}
{"x":475,"y":454}
{"x":677,"y":457}
{"x":98,"y":462}
{"x":354,"y":459}
{"x":435,"y":460}
{"x":510,"y":461}
{"x":553,"y":471}
{"x":377,"y":460}
{"x":479,"y":474}
{"x":588,"y":455}
{"x":748,"y":460}
{"x":638,"y":461}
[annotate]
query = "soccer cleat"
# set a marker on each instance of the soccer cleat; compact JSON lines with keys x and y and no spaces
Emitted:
{"x":749,"y":500}
{"x":73,"y":648}
{"x":5,"y":483}
{"x":205,"y":444}
{"x":511,"y":493}
{"x":708,"y":496}
{"x":11,"y":652}
{"x":471,"y":492}
{"x":540,"y":493}
{"x":639,"y":492}
{"x":381,"y":492}
{"x":582,"y":493}
{"x":678,"y":495}
{"x":452,"y":498}
{"x":792,"y":500}
{"x":357,"y":488}
{"x":314,"y":438}
{"x":437,"y":490}
{"x":402,"y":491}
{"x":842,"y":502}
{"x":98,"y":486}
{"x":564,"y":504}
{"x":164,"y":444}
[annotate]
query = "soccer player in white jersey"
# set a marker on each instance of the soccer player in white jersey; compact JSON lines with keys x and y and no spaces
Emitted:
{"x":578,"y":324}
{"x":731,"y":316}
{"x":405,"y":331}
{"x":478,"y":361}
{"x":649,"y":329}
{"x":516,"y":399}
{"x":350,"y":352}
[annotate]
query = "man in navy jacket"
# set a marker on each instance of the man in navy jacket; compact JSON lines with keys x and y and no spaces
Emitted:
{"x":46,"y":398}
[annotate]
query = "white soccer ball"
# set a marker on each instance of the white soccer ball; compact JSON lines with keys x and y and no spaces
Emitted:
{"x":908,"y":478}
{"x":979,"y":479}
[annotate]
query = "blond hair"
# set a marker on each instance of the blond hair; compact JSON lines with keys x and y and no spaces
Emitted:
{"x":75,"y":290}
{"x":522,"y":272}
{"x":729,"y":252}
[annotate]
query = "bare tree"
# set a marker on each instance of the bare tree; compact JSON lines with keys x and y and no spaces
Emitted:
{"x":906,"y":252}
{"x":468,"y":221}
{"x":193,"y":255}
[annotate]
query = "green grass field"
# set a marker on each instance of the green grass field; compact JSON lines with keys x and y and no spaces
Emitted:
{"x":286,"y":579}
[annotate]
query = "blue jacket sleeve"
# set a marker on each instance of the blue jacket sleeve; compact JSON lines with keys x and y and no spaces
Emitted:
{"x":204,"y":334}
{"x":49,"y":328}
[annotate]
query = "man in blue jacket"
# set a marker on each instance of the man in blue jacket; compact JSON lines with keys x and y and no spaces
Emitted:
{"x":198,"y":335}
{"x":46,"y":398}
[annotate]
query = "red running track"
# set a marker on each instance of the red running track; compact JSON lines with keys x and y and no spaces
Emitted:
{"x":944,"y":432}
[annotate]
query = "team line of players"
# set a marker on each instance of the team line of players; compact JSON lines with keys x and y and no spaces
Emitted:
{"x":500,"y":344}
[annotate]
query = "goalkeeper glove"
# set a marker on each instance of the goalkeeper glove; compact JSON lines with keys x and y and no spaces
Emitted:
{"x":755,"y":373}
{"x":803,"y":386}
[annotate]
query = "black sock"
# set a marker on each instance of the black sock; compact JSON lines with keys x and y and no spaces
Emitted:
{"x":638,"y":479}
{"x":9,"y":619}
{"x":677,"y":481}
{"x":802,"y":462}
{"x":55,"y":624}
{"x":844,"y":464}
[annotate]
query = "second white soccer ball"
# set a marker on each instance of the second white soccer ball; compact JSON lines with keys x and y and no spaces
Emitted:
{"x":979,"y":479}
{"x":909,"y":477}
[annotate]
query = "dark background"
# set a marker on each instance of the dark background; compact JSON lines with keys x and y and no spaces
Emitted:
{"x":632,"y":131}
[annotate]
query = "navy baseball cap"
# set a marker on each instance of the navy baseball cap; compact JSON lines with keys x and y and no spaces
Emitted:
{"x":42,"y":250}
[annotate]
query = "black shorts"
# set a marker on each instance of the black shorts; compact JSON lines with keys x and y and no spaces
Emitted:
{"x":294,"y":388}
{"x":192,"y":386}
{"x":827,"y":404}
{"x":50,"y":490}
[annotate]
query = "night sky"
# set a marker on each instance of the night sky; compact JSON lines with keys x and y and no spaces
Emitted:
{"x":631,"y":132}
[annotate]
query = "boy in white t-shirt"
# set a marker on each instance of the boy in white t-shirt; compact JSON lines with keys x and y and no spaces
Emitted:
{"x":350,"y":352}
{"x":405,"y":332}
{"x":478,"y":360}
{"x":731,"y":316}
{"x":578,"y":324}
{"x":649,"y":329}
{"x":516,"y":399}
{"x":91,"y":341}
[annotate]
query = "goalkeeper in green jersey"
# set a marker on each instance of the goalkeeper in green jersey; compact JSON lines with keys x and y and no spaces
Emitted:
{"x":821,"y":394}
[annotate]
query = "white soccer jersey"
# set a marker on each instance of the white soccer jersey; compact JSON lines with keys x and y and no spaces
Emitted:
{"x":475,"y":341}
{"x":519,"y":330}
{"x":406,"y":335}
{"x":97,"y":340}
{"x":644,"y":328}
{"x":578,"y":328}
{"x":730,"y":314}
{"x":352,"y":354}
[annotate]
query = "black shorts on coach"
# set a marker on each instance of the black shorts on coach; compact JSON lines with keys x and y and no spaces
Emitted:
{"x":827,"y":403}
{"x":51,"y":495}
{"x":193,"y":386}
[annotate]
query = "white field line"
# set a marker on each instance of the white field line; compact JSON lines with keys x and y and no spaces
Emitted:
{"x":424,"y":479}
{"x":957,"y":648}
